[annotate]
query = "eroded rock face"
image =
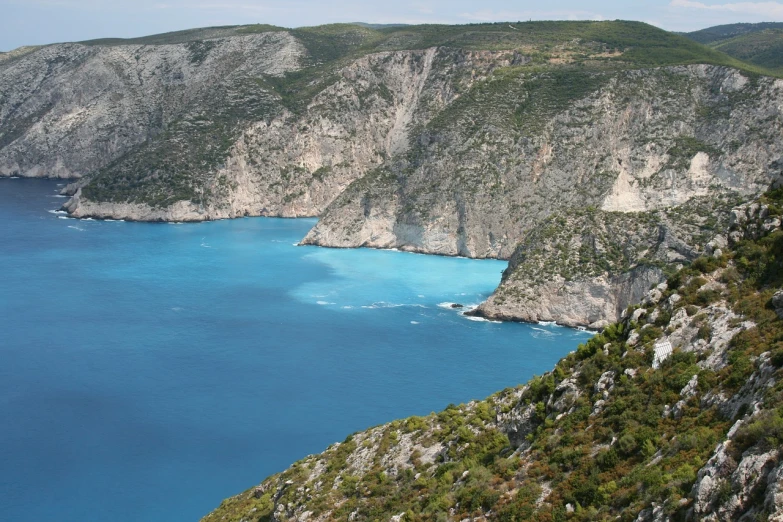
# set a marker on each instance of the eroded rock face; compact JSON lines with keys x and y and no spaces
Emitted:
{"x":70,"y":109}
{"x":476,"y":181}
{"x":593,"y":303}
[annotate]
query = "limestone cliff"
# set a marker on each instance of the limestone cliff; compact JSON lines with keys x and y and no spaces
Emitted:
{"x":68,"y":110}
{"x":492,"y":166}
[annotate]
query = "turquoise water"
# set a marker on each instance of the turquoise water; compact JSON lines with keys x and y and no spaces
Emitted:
{"x":149,"y":370}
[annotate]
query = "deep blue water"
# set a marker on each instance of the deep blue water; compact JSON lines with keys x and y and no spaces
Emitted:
{"x":147,"y":371}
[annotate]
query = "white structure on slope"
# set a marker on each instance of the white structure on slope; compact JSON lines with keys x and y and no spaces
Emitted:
{"x":663,"y":349}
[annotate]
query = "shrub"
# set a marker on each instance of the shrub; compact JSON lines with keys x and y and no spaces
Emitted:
{"x":766,"y":429}
{"x":707,"y":265}
{"x":627,"y":444}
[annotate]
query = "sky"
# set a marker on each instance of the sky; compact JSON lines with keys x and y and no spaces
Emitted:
{"x":34,"y":22}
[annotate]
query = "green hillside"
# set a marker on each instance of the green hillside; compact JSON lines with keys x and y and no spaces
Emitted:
{"x":725,"y":32}
{"x":758,"y":44}
{"x":640,"y":43}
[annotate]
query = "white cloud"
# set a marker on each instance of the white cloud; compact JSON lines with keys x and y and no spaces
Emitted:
{"x":765,"y":9}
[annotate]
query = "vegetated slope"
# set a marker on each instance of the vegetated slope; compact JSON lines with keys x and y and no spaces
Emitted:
{"x":764,"y":48}
{"x":760,"y":44}
{"x":726,"y":32}
{"x":606,"y":435}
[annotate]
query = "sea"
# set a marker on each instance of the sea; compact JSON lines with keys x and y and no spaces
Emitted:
{"x":149,"y":370}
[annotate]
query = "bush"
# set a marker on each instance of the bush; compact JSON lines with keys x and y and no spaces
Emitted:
{"x":627,"y":444}
{"x":766,"y":429}
{"x":707,"y":265}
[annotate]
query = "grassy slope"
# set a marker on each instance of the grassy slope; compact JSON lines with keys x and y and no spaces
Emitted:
{"x":759,"y":44}
{"x":725,"y":32}
{"x":608,"y":461}
{"x":763,"y":48}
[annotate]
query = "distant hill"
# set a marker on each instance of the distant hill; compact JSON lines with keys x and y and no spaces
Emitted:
{"x":759,"y":44}
{"x":724,"y":32}
{"x":380,"y":26}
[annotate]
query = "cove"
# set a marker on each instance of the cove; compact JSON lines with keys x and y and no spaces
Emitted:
{"x":147,"y":371}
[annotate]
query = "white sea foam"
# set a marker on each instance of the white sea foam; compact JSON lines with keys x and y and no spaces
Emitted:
{"x":549,"y":323}
{"x":57,"y":196}
{"x":480,"y":319}
{"x":62,"y":212}
{"x":324,"y":303}
{"x":447,"y":306}
{"x":415,"y":322}
{"x":538,"y":333}
{"x":88,"y":219}
{"x":76,"y":228}
{"x":384,"y":304}
{"x":64,"y":217}
{"x":114,"y":220}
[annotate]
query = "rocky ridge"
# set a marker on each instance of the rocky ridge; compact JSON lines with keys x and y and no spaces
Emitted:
{"x":605,"y":435}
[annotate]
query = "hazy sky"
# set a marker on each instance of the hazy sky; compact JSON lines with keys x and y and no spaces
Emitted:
{"x":27,"y":22}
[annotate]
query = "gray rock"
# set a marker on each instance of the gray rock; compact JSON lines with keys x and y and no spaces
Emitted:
{"x":777,"y":303}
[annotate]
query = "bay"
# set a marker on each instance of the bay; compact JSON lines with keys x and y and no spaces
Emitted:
{"x":147,"y":371}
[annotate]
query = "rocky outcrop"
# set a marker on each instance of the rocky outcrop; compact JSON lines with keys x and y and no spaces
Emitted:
{"x":594,"y":303}
{"x":777,"y":303}
{"x":584,"y":268}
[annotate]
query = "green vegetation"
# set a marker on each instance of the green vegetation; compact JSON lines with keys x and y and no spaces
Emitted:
{"x":759,"y":44}
{"x":764,"y":49}
{"x":726,"y":32}
{"x":584,"y":243}
{"x":188,"y":35}
{"x":587,"y":452}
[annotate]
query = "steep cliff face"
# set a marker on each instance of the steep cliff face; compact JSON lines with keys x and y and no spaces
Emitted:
{"x":495,"y":164}
{"x":622,"y":429}
{"x":68,"y":110}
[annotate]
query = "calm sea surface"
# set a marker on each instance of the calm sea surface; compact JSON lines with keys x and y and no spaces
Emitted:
{"x":147,"y":371}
